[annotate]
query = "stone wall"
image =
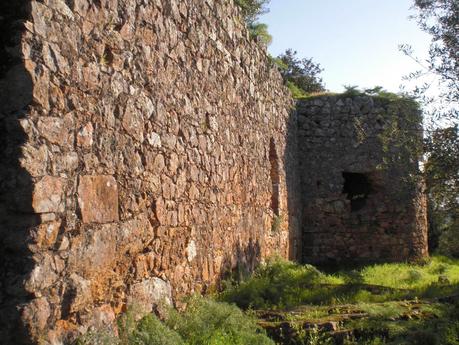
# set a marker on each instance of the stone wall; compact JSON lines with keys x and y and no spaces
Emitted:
{"x":363,"y":197}
{"x":148,"y":148}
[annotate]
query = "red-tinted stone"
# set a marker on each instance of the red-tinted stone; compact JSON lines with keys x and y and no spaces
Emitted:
{"x":98,"y":199}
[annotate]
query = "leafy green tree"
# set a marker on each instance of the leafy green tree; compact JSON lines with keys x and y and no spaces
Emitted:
{"x":260,"y":32}
{"x":251,"y":11}
{"x":442,"y":177}
{"x":439,"y":18}
{"x":302,"y":76}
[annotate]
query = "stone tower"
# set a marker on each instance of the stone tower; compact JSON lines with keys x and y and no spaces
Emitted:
{"x":362,"y":192}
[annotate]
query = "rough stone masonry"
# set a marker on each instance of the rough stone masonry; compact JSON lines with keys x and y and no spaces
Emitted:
{"x":148,"y":148}
{"x":139,"y":139}
{"x":362,"y":193}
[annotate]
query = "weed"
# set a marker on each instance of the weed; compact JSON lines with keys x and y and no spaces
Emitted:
{"x":151,"y":331}
{"x":208,"y":322}
{"x":316,"y":337}
{"x":277,"y":224}
{"x":204,"y":322}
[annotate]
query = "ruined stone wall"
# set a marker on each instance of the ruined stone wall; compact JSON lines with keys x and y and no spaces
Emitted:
{"x":363,"y":198}
{"x":144,"y":146}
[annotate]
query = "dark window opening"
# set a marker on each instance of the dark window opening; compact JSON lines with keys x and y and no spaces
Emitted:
{"x":275,"y":178}
{"x":357,"y":186}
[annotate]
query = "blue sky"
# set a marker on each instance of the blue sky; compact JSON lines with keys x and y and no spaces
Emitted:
{"x":355,"y":41}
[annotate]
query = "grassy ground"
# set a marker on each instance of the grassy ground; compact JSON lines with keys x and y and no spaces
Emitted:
{"x":396,"y":304}
{"x":377,"y":304}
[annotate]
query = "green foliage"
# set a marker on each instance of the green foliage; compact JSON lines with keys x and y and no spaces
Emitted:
{"x":440,"y":18}
{"x":388,"y":294}
{"x":278,"y":284}
{"x":252,"y":9}
{"x":99,"y":337}
{"x":282,"y":284}
{"x":440,"y":72}
{"x":151,"y":331}
{"x":260,"y":32}
{"x":316,"y":337}
{"x":402,"y":142}
{"x":296,"y":91}
{"x":352,"y":90}
{"x":302,"y":76}
{"x":440,"y":328}
{"x":204,"y":322}
{"x":442,"y":177}
{"x":277,"y":223}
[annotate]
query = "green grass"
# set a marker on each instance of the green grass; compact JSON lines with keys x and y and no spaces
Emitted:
{"x":408,"y":276}
{"x":281,"y":284}
{"x":393,"y":304}
{"x":204,"y":322}
{"x":297,"y":93}
{"x":396,"y":303}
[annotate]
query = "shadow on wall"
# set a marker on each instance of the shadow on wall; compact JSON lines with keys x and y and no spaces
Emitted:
{"x":246,"y":257}
{"x":294,"y":207}
{"x":16,"y":216}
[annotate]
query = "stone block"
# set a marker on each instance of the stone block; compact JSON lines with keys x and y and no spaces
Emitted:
{"x":98,"y":199}
{"x":36,"y":314}
{"x":47,"y":195}
{"x":149,"y":293}
{"x":47,"y":234}
{"x":80,"y":291}
{"x":94,"y":252}
{"x":56,"y":130}
{"x":85,"y":136}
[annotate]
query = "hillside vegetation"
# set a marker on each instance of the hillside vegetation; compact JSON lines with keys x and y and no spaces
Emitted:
{"x":287,"y":303}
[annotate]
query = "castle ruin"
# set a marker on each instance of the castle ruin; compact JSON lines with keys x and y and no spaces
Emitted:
{"x":150,"y":147}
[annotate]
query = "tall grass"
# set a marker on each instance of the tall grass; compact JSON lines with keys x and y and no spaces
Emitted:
{"x":282,"y":284}
{"x":204,"y":322}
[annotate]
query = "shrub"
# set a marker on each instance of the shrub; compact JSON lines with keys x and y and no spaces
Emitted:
{"x":251,"y":11}
{"x":207,"y":322}
{"x":204,"y":322}
{"x":151,"y":331}
{"x":260,"y":32}
{"x":302,"y":76}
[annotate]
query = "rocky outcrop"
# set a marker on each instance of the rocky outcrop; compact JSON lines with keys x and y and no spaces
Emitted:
{"x":137,"y":139}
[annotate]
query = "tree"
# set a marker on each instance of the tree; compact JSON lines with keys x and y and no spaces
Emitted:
{"x":442,"y":177}
{"x":301,"y":75}
{"x":260,"y":32}
{"x":440,"y":18}
{"x":251,"y":11}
